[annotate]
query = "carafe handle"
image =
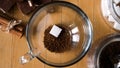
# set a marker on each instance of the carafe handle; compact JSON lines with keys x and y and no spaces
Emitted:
{"x":26,"y":58}
{"x":29,"y":55}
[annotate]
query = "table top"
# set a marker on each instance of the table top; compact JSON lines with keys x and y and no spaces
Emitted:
{"x":12,"y":48}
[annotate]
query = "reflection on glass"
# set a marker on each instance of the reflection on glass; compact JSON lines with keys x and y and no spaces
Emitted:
{"x":75,"y":38}
{"x":75,"y":30}
{"x":75,"y":33}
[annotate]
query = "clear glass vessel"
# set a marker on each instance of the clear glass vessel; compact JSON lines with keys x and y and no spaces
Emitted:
{"x":105,"y":52}
{"x":63,"y":16}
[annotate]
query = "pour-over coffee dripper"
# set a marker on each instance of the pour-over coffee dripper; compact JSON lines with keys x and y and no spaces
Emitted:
{"x":59,"y":34}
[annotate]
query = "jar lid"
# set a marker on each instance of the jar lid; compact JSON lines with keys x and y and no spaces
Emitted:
{"x":61,"y":32}
{"x":111,"y":12}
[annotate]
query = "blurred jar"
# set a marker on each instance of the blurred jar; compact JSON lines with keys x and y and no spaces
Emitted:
{"x":105,"y":52}
{"x":111,"y":13}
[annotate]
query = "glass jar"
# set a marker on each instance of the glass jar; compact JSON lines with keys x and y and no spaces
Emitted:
{"x":105,"y":52}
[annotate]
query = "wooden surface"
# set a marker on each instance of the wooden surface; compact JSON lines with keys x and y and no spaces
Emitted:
{"x":12,"y":48}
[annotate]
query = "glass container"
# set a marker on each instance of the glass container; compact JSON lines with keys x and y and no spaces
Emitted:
{"x":59,"y":34}
{"x":105,"y":52}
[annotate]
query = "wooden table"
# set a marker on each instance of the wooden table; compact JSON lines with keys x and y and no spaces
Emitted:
{"x":12,"y":48}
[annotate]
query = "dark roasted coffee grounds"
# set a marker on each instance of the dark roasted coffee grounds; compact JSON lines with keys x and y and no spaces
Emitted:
{"x":108,"y":56}
{"x":60,"y":44}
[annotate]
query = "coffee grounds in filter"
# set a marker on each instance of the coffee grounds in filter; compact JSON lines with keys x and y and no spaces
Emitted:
{"x":58,"y":44}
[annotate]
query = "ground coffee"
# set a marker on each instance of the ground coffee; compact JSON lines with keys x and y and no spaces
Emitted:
{"x":110,"y":55}
{"x":60,"y":44}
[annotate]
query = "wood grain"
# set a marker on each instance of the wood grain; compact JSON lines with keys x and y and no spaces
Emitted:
{"x":12,"y":48}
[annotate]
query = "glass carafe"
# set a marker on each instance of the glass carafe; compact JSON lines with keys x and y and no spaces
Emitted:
{"x":58,"y":34}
